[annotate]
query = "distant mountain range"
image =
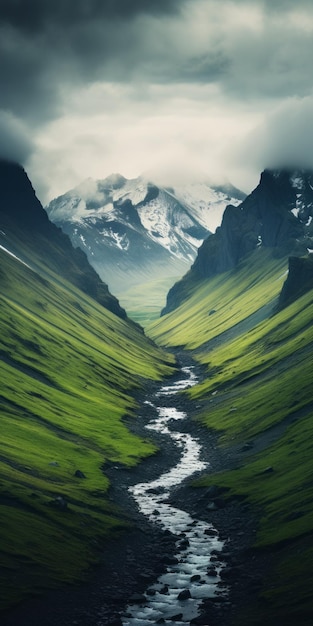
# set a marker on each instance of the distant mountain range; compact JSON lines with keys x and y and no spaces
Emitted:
{"x":134,"y":230}
{"x":277,"y":215}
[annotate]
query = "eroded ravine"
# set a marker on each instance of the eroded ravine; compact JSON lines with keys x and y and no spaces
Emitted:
{"x":192,"y":576}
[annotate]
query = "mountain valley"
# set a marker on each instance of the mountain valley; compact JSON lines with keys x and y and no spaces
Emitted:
{"x":252,"y":311}
{"x":75,"y":371}
{"x":140,"y":237}
{"x":70,"y":370}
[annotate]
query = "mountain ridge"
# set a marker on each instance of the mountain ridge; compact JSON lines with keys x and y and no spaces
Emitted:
{"x":276,"y":215}
{"x":22,"y":218}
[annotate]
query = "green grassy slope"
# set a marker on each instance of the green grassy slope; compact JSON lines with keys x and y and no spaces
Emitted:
{"x":144,"y":302}
{"x":219,"y":304}
{"x":68,"y":371}
{"x":258,"y":390}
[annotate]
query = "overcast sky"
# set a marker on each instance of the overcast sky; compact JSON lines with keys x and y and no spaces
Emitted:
{"x":216,"y":88}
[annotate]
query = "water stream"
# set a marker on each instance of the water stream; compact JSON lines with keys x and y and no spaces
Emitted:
{"x":177,"y":594}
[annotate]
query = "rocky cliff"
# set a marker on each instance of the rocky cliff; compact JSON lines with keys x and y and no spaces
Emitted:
{"x":25,"y":230}
{"x":299,"y":280}
{"x":277,"y":215}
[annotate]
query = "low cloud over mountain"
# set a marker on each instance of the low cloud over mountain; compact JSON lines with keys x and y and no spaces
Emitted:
{"x":106,"y":86}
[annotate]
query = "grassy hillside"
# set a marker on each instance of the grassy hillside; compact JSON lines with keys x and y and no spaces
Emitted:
{"x":144,"y":302}
{"x":257,"y":395}
{"x":68,"y":370}
{"x":222,"y":303}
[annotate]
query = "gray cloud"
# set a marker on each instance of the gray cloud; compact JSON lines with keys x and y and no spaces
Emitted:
{"x":202,"y":68}
{"x":221,"y":61}
{"x":45,"y":45}
{"x":35,"y":16}
{"x":15,"y":143}
{"x":281,"y":5}
{"x":275,"y":6}
{"x":283,"y":139}
{"x":27,"y":88}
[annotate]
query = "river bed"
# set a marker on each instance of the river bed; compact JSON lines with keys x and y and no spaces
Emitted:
{"x":193,"y":575}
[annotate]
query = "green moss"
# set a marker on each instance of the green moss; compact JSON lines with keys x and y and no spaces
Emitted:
{"x":286,"y":488}
{"x":241,"y":396}
{"x":278,"y":483}
{"x":145,"y":301}
{"x":219,"y":304}
{"x":69,"y":370}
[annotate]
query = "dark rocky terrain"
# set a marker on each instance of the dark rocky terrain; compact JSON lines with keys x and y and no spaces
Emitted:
{"x":299,"y":280}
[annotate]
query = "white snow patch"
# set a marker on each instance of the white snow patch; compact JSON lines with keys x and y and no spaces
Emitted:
{"x":134,"y":190}
{"x":74,"y":209}
{"x":166,"y":223}
{"x":14,"y":256}
{"x":207,"y":205}
{"x":297,"y":182}
{"x":121,"y":241}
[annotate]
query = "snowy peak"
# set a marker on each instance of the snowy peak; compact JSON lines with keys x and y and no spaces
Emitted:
{"x":103,"y":198}
{"x":138,"y":191}
{"x":125,"y":224}
{"x":207,"y":203}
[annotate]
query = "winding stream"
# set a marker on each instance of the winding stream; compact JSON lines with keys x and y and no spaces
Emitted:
{"x":177,"y":594}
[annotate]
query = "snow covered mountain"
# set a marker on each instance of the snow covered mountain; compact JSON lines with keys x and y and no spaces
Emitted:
{"x":133,"y":230}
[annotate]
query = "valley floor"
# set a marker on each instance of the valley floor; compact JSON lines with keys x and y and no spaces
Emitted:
{"x":132,"y":561}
